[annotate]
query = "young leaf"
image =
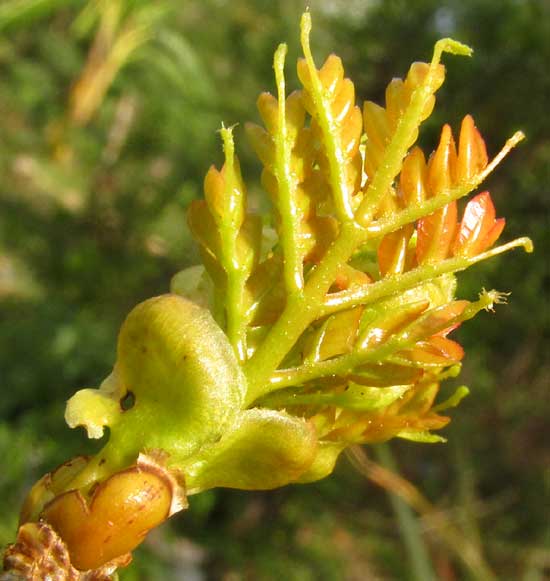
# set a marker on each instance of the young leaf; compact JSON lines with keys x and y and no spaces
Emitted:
{"x":479,"y":229}
{"x":330,"y":99}
{"x":230,"y":239}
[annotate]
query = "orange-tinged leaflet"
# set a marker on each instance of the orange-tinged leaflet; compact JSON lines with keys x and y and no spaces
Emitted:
{"x":393,"y":255}
{"x":472,"y":153}
{"x":478,"y":229}
{"x":413,"y":178}
{"x":435,"y":234}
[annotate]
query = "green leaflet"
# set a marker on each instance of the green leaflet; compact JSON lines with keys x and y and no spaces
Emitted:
{"x":422,"y":437}
{"x":459,"y":394}
{"x":355,"y":397}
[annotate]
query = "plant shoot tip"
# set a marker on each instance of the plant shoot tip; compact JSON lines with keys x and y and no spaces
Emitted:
{"x":452,"y":47}
{"x":305,"y":25}
{"x":516,"y":138}
{"x":527,"y":244}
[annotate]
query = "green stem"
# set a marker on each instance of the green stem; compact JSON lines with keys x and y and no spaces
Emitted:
{"x":342,"y":366}
{"x":347,"y":363}
{"x":331,"y":131}
{"x":299,"y":312}
{"x":229,"y":231}
{"x":404,"y":135}
{"x":393,"y":222}
{"x":260,"y":370}
{"x":395,"y":284}
{"x":286,"y":180}
{"x":236,"y":324}
{"x":407,"y":337}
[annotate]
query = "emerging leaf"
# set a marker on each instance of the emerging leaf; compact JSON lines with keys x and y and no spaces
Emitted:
{"x":479,"y":229}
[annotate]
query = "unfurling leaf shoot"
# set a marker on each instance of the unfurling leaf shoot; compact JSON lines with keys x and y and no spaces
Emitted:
{"x":320,"y":326}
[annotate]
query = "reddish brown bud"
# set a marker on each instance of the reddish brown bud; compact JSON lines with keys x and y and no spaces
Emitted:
{"x":98,"y":526}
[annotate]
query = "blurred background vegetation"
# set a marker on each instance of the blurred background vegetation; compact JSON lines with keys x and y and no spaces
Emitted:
{"x":108,"y":119}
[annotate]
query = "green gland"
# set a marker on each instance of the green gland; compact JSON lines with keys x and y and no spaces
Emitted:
{"x":188,"y":392}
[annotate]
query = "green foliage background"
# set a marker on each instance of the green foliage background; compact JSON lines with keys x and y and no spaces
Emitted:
{"x":92,"y":220}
